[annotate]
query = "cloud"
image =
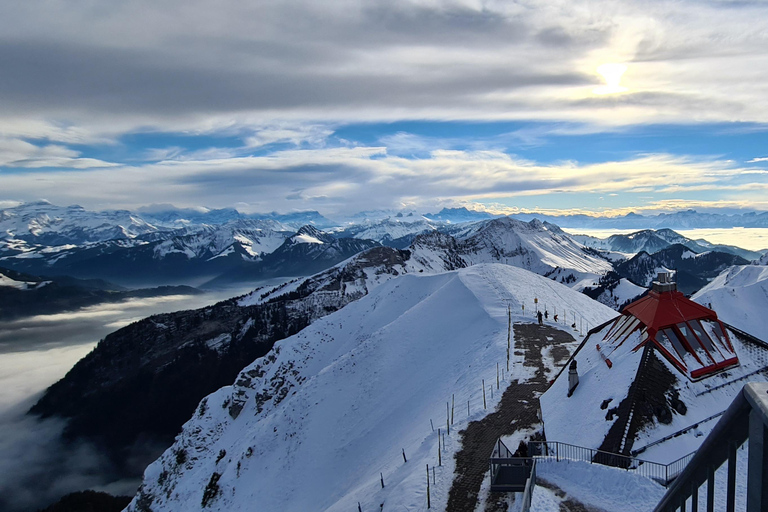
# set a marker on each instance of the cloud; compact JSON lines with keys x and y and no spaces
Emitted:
{"x":22,"y":154}
{"x":341,"y":180}
{"x":758,"y":159}
{"x":36,"y":466}
{"x":72,"y":72}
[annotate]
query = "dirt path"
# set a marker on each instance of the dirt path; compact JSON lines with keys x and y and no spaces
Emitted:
{"x":518,"y":409}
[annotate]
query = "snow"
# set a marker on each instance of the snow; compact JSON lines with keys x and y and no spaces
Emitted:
{"x":739,"y":295}
{"x":334,"y":406}
{"x":596,"y":485}
{"x":306,"y":239}
{"x":21,"y":285}
{"x":624,"y":291}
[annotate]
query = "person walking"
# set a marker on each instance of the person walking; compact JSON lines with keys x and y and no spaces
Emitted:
{"x":541,"y":318}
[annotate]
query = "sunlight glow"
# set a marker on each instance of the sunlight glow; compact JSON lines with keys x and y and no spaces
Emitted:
{"x":611,"y":73}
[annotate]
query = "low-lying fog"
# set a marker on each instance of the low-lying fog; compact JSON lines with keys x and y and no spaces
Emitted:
{"x":36,"y":469}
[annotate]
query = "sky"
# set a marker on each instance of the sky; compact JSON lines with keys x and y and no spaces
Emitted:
{"x":597,"y":106}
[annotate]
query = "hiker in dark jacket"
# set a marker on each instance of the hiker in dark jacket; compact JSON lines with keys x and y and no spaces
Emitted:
{"x":541,"y":321}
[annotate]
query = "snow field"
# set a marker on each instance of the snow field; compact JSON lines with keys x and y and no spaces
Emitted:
{"x":594,"y":485}
{"x":342,"y":399}
{"x":740,"y":297}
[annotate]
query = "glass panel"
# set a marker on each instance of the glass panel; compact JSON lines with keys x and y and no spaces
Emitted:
{"x":718,"y":332}
{"x":703,"y":336}
{"x":629,"y":323}
{"x":694,"y":343}
{"x":669,"y":336}
{"x":628,"y":330}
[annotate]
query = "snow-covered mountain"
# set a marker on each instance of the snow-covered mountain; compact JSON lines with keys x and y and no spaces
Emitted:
{"x":459,"y":215}
{"x":238,"y":250}
{"x":740,"y":297}
{"x":651,"y":241}
{"x":306,"y":252}
{"x":252,"y":238}
{"x":536,"y":246}
{"x":47,"y":224}
{"x":317,"y":423}
{"x":615,"y":291}
{"x":688,"y":219}
{"x":693,"y":271}
{"x":393,"y":232}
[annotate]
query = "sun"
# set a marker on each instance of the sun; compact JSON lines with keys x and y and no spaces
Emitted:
{"x":612,"y":74}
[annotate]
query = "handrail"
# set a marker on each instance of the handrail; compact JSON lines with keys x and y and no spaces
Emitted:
{"x":662,"y":473}
{"x":745,"y":419}
{"x":675,"y":434}
{"x":528,"y":492}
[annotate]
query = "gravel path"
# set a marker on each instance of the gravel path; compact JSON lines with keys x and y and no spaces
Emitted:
{"x":518,"y":409}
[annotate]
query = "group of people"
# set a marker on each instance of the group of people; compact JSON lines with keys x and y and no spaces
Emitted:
{"x":545,"y":315}
{"x":541,"y":318}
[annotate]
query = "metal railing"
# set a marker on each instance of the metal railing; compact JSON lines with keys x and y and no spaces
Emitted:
{"x":528,"y":492}
{"x":509,"y":473}
{"x":745,"y":420}
{"x":557,"y":451}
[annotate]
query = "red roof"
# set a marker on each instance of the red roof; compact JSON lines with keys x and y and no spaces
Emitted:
{"x":678,"y":327}
{"x":658,"y":310}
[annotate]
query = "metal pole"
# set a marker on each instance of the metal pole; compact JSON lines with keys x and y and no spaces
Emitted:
{"x":757,"y":491}
{"x":730,"y":504}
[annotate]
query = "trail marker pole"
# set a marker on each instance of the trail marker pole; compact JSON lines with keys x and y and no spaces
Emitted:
{"x":359,"y":508}
{"x":497,"y":375}
{"x":439,"y":455}
{"x":429,"y":505}
{"x":382,"y":480}
{"x":431,"y":424}
{"x":404,"y":459}
{"x":467,"y":408}
{"x":453,"y":399}
{"x":509,"y":331}
{"x":447,"y":418}
{"x":484,"y":405}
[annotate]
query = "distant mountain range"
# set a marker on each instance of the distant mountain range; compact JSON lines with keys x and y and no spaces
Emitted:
{"x":650,"y":241}
{"x":162,"y":245}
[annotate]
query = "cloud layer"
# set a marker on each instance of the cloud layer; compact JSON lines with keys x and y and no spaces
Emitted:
{"x":283,"y":77}
{"x":187,"y":65}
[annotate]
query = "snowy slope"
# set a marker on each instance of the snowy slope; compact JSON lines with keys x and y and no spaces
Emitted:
{"x":620,"y":293}
{"x":312,"y":425}
{"x":740,"y":297}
